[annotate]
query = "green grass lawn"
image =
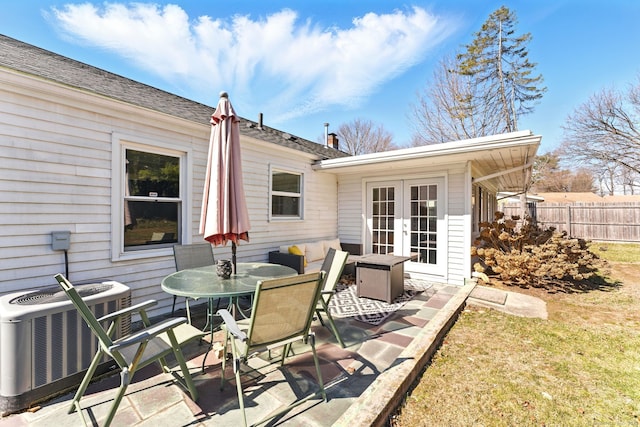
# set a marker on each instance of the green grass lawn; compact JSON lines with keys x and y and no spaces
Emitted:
{"x":581,"y":367}
{"x":618,"y":252}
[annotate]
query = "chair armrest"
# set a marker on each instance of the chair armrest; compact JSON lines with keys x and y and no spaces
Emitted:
{"x":352,"y":248}
{"x":231,"y":325}
{"x":290,"y":260}
{"x":147,"y":333}
{"x":133,"y":309}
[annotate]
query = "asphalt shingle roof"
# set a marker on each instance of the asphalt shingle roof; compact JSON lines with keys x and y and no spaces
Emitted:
{"x":29,"y":59}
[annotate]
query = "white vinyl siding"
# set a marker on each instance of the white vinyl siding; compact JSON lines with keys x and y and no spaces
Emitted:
{"x":56,"y":148}
{"x":459,"y":245}
{"x":351,"y":208}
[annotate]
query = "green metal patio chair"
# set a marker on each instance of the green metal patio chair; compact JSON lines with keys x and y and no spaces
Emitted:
{"x":282,"y":312}
{"x":333,"y":265}
{"x":141,"y":348}
{"x":191,"y":256}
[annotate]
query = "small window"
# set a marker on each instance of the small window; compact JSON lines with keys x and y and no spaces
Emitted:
{"x":152,"y":203}
{"x":286,"y":194}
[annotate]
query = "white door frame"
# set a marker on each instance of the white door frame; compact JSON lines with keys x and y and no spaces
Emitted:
{"x":422,"y":218}
{"x":395,"y":228}
{"x":402,"y":222}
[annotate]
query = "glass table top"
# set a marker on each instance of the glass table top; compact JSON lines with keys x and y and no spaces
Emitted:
{"x":203,"y":282}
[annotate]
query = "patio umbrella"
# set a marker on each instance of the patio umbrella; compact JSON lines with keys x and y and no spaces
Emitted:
{"x":224,"y":214}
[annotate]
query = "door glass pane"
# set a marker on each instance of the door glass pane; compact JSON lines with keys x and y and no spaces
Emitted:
{"x":383,"y":219}
{"x":433,"y":192}
{"x":423,"y":192}
{"x":424,"y":216}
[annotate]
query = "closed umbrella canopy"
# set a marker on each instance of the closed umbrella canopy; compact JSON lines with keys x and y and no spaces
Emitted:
{"x":224,"y":214}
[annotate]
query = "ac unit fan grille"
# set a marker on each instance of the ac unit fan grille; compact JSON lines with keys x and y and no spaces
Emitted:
{"x":49,"y":295}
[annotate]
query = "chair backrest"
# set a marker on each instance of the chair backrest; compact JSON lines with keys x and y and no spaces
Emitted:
{"x":193,"y":256}
{"x":333,"y":266}
{"x":283,"y":308}
{"x":85,"y":312}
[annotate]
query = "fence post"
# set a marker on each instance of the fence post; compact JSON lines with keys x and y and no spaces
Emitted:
{"x":568,"y":224}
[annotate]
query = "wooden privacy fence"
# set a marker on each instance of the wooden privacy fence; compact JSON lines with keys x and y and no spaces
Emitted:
{"x":618,"y":221}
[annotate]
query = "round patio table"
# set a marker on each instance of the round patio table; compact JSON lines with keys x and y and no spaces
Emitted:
{"x":203,"y":282}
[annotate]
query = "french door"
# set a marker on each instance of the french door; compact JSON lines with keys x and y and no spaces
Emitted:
{"x":406,"y":217}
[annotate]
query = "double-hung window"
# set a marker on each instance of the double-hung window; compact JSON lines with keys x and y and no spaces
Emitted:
{"x":152,"y":199}
{"x":149,"y":206}
{"x":286,"y":194}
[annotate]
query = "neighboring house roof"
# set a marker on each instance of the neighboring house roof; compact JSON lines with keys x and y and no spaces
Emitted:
{"x":32,"y":60}
{"x":586,"y":197}
{"x":510,"y":197}
{"x":500,"y":162}
{"x":622,"y":198}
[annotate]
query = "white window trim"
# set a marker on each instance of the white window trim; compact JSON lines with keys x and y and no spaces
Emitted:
{"x":293,"y":171}
{"x":120,"y":143}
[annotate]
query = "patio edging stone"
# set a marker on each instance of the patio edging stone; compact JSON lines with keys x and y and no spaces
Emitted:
{"x":382,"y":398}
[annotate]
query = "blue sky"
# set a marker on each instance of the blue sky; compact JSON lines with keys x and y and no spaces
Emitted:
{"x":308,"y":62}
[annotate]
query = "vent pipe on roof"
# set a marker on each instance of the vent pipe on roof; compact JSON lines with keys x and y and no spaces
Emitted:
{"x":260,"y":121}
{"x":326,"y":134}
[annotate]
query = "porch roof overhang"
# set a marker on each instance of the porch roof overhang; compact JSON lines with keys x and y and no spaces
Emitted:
{"x":500,"y":162}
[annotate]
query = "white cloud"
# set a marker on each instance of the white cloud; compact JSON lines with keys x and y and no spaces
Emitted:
{"x":289,"y":67}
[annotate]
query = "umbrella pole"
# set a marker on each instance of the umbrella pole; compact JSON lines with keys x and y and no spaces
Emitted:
{"x":233,"y":257}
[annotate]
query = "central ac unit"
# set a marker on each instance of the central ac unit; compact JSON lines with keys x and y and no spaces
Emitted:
{"x":45,"y":346}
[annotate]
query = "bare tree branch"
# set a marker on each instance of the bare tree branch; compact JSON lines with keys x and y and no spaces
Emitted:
{"x":603,"y":133}
{"x":363,"y":136}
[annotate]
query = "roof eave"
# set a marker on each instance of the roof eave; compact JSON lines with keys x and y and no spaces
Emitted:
{"x":514,"y":139}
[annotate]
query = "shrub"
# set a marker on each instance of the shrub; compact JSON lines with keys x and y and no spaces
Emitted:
{"x":531,"y":256}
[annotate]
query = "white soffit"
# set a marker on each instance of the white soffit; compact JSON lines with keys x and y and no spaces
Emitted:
{"x":490,"y":154}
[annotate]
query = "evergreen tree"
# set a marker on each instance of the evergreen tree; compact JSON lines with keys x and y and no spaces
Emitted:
{"x":481,"y":91}
{"x":497,"y":62}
